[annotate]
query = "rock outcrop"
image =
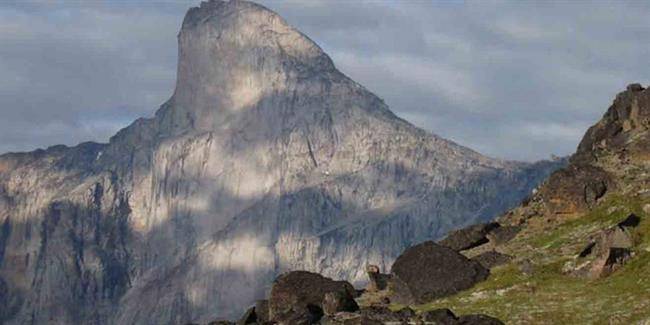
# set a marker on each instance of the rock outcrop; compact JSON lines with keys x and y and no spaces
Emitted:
{"x":303,"y":297}
{"x":428,"y":271}
{"x":265,"y":159}
{"x":469,"y":237}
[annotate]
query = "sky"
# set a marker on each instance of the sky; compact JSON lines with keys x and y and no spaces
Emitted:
{"x":515,"y":80}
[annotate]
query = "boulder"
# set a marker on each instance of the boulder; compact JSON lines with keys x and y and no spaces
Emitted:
{"x":492,"y":259}
{"x":609,"y":251}
{"x":630,"y":222}
{"x":441,"y":316}
{"x":428,"y":271}
{"x":610,"y":262}
{"x":377,"y":280}
{"x":478,"y":319}
{"x":337,"y":301}
{"x":575,"y":189}
{"x":502,"y":235}
{"x":468,"y":237}
{"x":297,"y":297}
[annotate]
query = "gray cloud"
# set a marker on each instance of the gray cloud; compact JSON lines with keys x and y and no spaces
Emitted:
{"x":512,"y":80}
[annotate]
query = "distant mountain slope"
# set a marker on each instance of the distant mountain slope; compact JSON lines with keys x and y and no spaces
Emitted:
{"x":265,"y":159}
{"x":583,"y":253}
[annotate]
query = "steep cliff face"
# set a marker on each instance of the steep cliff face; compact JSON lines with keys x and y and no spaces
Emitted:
{"x":265,"y":159}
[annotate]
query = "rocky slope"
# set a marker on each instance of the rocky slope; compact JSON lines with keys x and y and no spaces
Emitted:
{"x":580,"y":249}
{"x":265,"y":159}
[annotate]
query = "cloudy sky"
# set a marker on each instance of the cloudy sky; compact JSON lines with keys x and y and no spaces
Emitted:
{"x":516,"y":80}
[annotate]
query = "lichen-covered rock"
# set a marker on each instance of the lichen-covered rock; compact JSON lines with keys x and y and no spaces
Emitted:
{"x":427,"y":271}
{"x":610,"y":250}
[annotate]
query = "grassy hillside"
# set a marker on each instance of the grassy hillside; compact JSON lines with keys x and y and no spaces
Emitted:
{"x":550,"y":296}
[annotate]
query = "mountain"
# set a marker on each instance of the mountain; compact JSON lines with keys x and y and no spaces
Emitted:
{"x":581,"y":253}
{"x":265,"y":159}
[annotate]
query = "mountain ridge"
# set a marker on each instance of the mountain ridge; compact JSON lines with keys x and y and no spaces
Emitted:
{"x":256,"y":165}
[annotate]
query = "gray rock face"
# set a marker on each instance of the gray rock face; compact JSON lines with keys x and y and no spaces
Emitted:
{"x":265,"y":159}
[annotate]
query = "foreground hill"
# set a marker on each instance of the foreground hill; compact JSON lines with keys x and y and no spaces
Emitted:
{"x":582,"y":254}
{"x":265,"y":159}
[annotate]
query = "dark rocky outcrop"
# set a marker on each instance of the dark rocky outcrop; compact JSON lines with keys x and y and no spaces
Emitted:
{"x":447,"y":272}
{"x":632,"y":221}
{"x":491,"y":259}
{"x":298,"y":297}
{"x":575,"y":188}
{"x":468,"y":237}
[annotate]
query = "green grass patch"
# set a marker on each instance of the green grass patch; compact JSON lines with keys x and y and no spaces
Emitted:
{"x":550,"y":297}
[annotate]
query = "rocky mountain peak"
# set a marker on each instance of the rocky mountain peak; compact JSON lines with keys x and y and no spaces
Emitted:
{"x":235,"y":54}
{"x":626,"y":118}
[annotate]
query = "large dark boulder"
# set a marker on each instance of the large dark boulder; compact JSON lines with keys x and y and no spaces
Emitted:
{"x":429,"y":271}
{"x":468,"y":237}
{"x":297,"y":297}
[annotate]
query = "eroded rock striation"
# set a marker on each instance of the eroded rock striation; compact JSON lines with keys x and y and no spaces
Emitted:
{"x":265,"y":159}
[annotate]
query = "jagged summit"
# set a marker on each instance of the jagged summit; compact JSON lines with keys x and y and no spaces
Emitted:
{"x":234,"y":55}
